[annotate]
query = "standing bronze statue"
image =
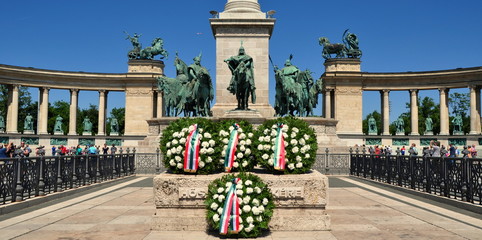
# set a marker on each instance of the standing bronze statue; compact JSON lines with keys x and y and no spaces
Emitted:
{"x":242,"y":80}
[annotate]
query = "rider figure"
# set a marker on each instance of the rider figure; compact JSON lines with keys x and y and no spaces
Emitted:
{"x":241,"y":66}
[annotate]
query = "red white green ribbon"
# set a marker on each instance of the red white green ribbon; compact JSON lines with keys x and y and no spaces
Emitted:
{"x":279,"y":149}
{"x":191,"y":154}
{"x":231,"y":150}
{"x":229,"y":221}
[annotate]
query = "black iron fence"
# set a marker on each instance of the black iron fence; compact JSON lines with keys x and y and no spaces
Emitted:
{"x":458,"y":178}
{"x":23,"y":178}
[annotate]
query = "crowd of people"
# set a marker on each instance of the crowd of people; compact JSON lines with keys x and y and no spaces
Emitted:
{"x":23,"y":150}
{"x":435,"y":149}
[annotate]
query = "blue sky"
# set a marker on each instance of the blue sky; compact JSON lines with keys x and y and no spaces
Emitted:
{"x":395,"y":36}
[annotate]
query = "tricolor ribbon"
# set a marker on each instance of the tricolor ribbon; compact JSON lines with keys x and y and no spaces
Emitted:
{"x":279,"y":149}
{"x":231,"y":150}
{"x":191,"y":154}
{"x":229,"y":221}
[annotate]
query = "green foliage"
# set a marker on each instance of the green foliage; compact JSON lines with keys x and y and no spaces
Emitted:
{"x":25,"y":106}
{"x":119,"y":114}
{"x":406,"y":121}
{"x":300,"y":148}
{"x":252,"y":196}
{"x":173,"y":141}
{"x":428,"y":108}
{"x":378,"y":118}
{"x":245,"y":145}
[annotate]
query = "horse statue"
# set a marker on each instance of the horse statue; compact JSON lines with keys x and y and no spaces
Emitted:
{"x":203,"y":94}
{"x":155,"y":49}
{"x":332,"y":48}
{"x":315,"y":90}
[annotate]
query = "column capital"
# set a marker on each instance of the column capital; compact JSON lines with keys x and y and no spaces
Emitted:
{"x":443,"y":89}
{"x":16,"y":85}
{"x":385,"y":91}
{"x":45,"y":88}
{"x":473,"y":86}
{"x":102,"y":91}
{"x":72,"y":90}
{"x":413,"y":91}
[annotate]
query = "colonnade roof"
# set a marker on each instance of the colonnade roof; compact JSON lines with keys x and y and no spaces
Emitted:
{"x":34,"y":77}
{"x":452,"y":78}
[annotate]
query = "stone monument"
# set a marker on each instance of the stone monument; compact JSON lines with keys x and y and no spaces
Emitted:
{"x":87,"y":125}
{"x":58,"y":126}
{"x":28,"y":125}
{"x":428,"y":126}
{"x":242,"y":21}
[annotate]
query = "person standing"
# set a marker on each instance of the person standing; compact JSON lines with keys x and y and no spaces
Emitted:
{"x":473,"y":151}
{"x":105,"y":149}
{"x":452,"y":151}
{"x":3,"y":151}
{"x":435,"y":148}
{"x":54,"y":150}
{"x":113,"y":149}
{"x":27,"y":150}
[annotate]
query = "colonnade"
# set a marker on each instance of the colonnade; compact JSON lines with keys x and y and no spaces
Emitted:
{"x":13,"y":108}
{"x":475,"y":109}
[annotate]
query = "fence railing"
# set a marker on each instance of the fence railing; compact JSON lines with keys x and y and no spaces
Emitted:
{"x":457,"y":178}
{"x":23,"y":178}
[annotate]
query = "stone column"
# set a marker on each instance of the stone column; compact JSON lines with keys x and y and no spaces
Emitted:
{"x":386,"y":112}
{"x":327,"y":104}
{"x":474,"y":110}
{"x":444,"y":111}
{"x":74,"y":99}
{"x":414,"y":112}
{"x":12,"y":114}
{"x":43,"y":115}
{"x":102,"y":110}
{"x":160,"y":106}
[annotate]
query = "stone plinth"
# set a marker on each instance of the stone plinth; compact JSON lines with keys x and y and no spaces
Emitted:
{"x":86,"y":133}
{"x":300,"y":202}
{"x":28,"y":132}
{"x":146,"y":66}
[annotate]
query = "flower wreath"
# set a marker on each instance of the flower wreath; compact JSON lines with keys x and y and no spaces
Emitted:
{"x":236,"y":140}
{"x":190,"y":145}
{"x":239,"y":204}
{"x":286,"y":144}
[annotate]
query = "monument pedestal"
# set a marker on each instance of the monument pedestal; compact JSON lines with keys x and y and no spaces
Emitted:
{"x":28,"y":132}
{"x":428,"y":133}
{"x":300,"y":201}
{"x":58,"y":133}
{"x":222,"y":110}
{"x":87,"y":134}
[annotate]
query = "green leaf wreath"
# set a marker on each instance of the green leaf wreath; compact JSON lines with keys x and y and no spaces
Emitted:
{"x":173,"y":142}
{"x":244,"y":158}
{"x":300,"y":143}
{"x":256,"y":203}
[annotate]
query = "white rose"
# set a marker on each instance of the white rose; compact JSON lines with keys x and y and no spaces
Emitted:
{"x":169,"y":153}
{"x":179,"y":149}
{"x":246,"y":208}
{"x":260,"y":147}
{"x":247,"y":152}
{"x":214,"y":206}
{"x":191,"y":128}
{"x":223,"y":153}
{"x":296,"y":130}
{"x":177,"y":158}
{"x":271,"y":162}
{"x":293,"y":135}
{"x":285,"y":128}
{"x":303,"y":149}
{"x":294,"y":142}
{"x":239,"y":192}
{"x":274,"y":133}
{"x":274,"y":126}
{"x":207,"y":135}
{"x":247,"y":229}
{"x":286,"y":144}
{"x":299,"y":165}
{"x":184,"y":130}
{"x":257,"y":190}
{"x":210,"y":150}
{"x":265,"y":156}
{"x":261,"y":139}
{"x":295,"y":150}
{"x":209,"y":160}
{"x":168,"y":144}
{"x":249,"y":190}
{"x":172,"y":163}
{"x":175,"y":142}
{"x":255,"y":202}
{"x":212,"y":143}
{"x":285,"y":135}
{"x":229,"y":184}
{"x":175,"y":134}
{"x":259,"y":218}
{"x":203,"y":151}
{"x":235,"y":164}
{"x":267,"y":147}
{"x":221,"y":198}
{"x":180,"y":165}
{"x":248,"y":142}
{"x":182,"y":141}
{"x":267,"y":138}
{"x":216,"y":218}
{"x":246,"y":200}
{"x":220,"y":210}
{"x":248,"y":183}
{"x":242,"y":148}
{"x":291,"y":166}
{"x":245,"y":163}
{"x":298,"y":159}
{"x":205,"y":144}
{"x":225,"y":141}
{"x":261,"y":209}
{"x":201,"y":164}
{"x":240,"y":219}
{"x":307,"y":155}
{"x":302,"y":142}
{"x":249,"y":219}
{"x":220,"y":190}
{"x":265,"y":201}
{"x":255,"y":211}
{"x":242,"y":143}
{"x":231,"y":128}
{"x":250,"y":135}
{"x":239,"y":155}
{"x":239,"y":185}
{"x":240,"y":130}
{"x":306,"y":137}
{"x":242,"y":136}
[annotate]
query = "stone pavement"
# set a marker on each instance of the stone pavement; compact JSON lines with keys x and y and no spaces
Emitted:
{"x":359,"y":210}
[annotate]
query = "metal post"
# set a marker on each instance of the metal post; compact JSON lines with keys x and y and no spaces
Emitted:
{"x":41,"y":183}
{"x":18,"y":195}
{"x":58,"y":185}
{"x":121,"y":173}
{"x":74,"y":173}
{"x":158,"y":161}
{"x":327,"y":168}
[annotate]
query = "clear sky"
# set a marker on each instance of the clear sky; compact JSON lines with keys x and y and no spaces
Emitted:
{"x":395,"y":36}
